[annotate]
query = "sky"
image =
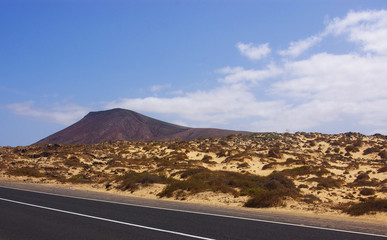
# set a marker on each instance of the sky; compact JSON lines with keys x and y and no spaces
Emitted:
{"x":277,"y":66}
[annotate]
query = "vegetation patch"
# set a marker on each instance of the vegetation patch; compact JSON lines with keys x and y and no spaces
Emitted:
{"x":310,"y":198}
{"x":371,"y":150}
{"x":367,"y":191}
{"x":73,"y":162}
{"x":79,"y":178}
{"x":25,"y":171}
{"x":132,"y":181}
{"x":382,"y":169}
{"x":305,"y":170}
{"x":371,"y":206}
{"x":327,"y":182}
{"x":264,"y":191}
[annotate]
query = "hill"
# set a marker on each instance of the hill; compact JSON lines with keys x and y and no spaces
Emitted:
{"x":122,"y":124}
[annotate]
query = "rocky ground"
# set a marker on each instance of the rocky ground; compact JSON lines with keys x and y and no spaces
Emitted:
{"x":302,"y":171}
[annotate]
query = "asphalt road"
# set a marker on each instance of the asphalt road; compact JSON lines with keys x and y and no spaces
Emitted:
{"x":33,"y":215}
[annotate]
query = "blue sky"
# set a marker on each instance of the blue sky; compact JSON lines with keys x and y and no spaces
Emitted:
{"x":280,"y":66}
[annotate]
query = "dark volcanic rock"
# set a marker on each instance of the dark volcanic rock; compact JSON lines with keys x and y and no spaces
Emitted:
{"x":121,"y":124}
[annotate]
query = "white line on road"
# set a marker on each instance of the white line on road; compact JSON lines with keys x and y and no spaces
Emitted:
{"x":107,"y":220}
{"x":207,"y":214}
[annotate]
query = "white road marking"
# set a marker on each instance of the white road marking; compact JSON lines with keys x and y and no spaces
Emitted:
{"x":207,"y":214}
{"x":106,"y":219}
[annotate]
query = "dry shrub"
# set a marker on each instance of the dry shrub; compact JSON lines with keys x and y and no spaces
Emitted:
{"x":2,"y":165}
{"x":268,"y":166}
{"x":79,"y":178}
{"x":311,"y":143}
{"x":25,"y":171}
{"x":370,"y":206}
{"x":362,"y":183}
{"x":290,"y":161}
{"x":207,"y":159}
{"x":132,"y":181}
{"x":281,"y":180}
{"x":274,"y":153}
{"x":189,"y":172}
{"x":265,"y":199}
{"x":73,"y":162}
{"x":364,"y":180}
{"x":351,"y":148}
{"x":362,"y":176}
{"x":310,"y":198}
{"x":382,"y":169}
{"x":303,"y":186}
{"x":305,"y":170}
{"x":243,"y":165}
{"x":371,"y":150}
{"x":383,"y":154}
{"x":367,"y":191}
{"x":328,"y":182}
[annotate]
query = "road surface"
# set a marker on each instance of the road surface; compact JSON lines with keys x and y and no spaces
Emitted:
{"x":34,"y":215}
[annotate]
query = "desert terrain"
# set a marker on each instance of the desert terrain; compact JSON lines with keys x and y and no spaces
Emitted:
{"x":343,"y":174}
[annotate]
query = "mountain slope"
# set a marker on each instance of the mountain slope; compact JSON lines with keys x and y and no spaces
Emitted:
{"x":121,"y":124}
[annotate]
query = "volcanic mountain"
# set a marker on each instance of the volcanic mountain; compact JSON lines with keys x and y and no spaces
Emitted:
{"x":122,"y":124}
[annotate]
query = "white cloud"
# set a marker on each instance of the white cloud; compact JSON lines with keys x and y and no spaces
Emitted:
{"x":63,"y":115}
{"x":253,"y":52}
{"x":239,"y":74}
{"x":369,"y":28}
{"x":157,"y":88}
{"x":347,"y":77}
{"x":297,"y":48}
